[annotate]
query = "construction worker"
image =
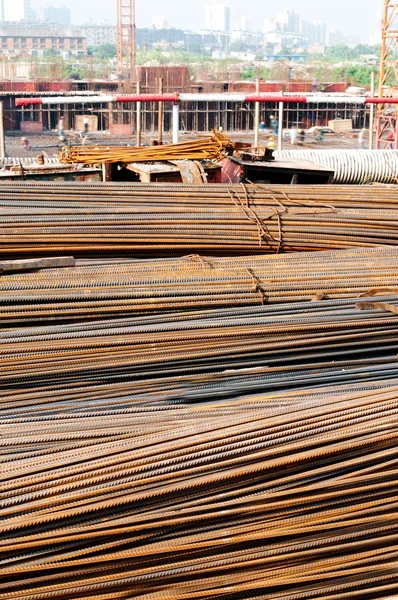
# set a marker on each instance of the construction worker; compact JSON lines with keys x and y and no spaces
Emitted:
{"x":391,"y":139}
{"x":320,"y":137}
{"x":61,"y":133}
{"x":274,"y":124}
{"x":86,"y":127}
{"x":293,"y":136}
{"x":271,"y":144}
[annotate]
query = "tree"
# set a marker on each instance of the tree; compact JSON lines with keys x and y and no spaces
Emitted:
{"x":105,"y":52}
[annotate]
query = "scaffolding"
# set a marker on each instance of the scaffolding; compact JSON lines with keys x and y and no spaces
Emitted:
{"x":387,"y":122}
{"x":126,"y":39}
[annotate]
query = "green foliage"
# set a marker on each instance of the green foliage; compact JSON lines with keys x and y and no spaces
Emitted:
{"x":342,"y":52}
{"x":248,"y":73}
{"x":105,"y":52}
{"x":355,"y":74}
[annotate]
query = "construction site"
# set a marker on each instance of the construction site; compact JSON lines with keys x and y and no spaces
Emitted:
{"x":198,"y":334}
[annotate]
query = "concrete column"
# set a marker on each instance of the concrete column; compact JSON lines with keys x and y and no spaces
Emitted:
{"x":176,"y":123}
{"x":257,"y":116}
{"x":139,"y":125}
{"x":280,"y":126}
{"x":2,"y":139}
{"x":160,"y":114}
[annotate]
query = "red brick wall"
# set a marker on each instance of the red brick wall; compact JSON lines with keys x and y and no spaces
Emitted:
{"x":116,"y":129}
{"x":31,"y":127}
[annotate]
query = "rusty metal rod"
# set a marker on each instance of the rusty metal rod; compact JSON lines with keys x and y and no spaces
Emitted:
{"x":154,"y":221}
{"x":111,"y":288}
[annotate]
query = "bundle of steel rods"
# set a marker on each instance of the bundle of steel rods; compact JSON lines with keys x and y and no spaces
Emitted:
{"x":214,"y":148}
{"x":279,"y":496}
{"x":112,"y":288}
{"x":233,"y":453}
{"x":199,"y":342}
{"x":139,"y":220}
{"x":199,"y":426}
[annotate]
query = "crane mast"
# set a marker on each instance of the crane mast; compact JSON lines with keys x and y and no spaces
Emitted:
{"x":126,"y":39}
{"x":387,"y":122}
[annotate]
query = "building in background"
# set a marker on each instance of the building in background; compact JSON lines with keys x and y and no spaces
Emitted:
{"x":271,"y":25}
{"x":18,"y":10}
{"x":335,"y":38}
{"x":24,"y":39}
{"x":244,"y":23}
{"x":217,"y":16}
{"x":289,"y":21}
{"x":100,"y":35}
{"x":159,"y":22}
{"x":315,"y":32}
{"x":321,"y":32}
{"x":60,"y":15}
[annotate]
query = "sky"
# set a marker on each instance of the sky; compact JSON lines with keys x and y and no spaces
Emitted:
{"x":357,"y":17}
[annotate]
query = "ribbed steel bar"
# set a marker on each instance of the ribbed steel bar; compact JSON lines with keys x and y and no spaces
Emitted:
{"x":114,"y":288}
{"x":215,"y":147}
{"x":197,"y":342}
{"x":241,"y":452}
{"x":283,"y":495}
{"x":139,"y":220}
{"x":199,"y":427}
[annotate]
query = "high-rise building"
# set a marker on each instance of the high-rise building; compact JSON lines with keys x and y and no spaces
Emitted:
{"x":18,"y":10}
{"x":159,"y":22}
{"x":321,"y":32}
{"x":244,"y":23}
{"x":289,"y":21}
{"x":309,"y":31}
{"x":271,"y":25}
{"x":314,"y":31}
{"x":217,"y":16}
{"x":57,"y":14}
{"x":335,"y":37}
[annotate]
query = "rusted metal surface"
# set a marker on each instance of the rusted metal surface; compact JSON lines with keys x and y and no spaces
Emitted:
{"x":156,"y":458}
{"x":158,"y":220}
{"x":199,"y":427}
{"x":191,"y":171}
{"x":211,"y":148}
{"x":117,"y":288}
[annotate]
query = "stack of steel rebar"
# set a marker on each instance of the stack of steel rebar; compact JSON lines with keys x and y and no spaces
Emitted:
{"x":201,"y":426}
{"x":158,"y":220}
{"x":215,"y":147}
{"x":111,"y":288}
{"x":268,"y":496}
{"x":209,"y":342}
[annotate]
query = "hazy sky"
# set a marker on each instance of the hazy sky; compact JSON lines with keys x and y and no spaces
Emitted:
{"x":350,"y":16}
